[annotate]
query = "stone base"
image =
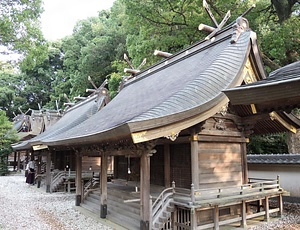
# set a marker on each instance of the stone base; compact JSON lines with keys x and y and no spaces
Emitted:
{"x":144,"y":225}
{"x":78,"y":200}
{"x":103,"y":211}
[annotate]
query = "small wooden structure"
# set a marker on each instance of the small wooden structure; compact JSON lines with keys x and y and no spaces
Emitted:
{"x":28,"y":125}
{"x":65,"y":160}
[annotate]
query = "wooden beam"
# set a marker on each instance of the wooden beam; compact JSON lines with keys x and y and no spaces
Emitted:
{"x":48,"y":173}
{"x":167,"y":167}
{"x":79,"y":98}
{"x":205,"y":5}
{"x":145,"y":191}
{"x":131,"y":71}
{"x":103,"y":181}
{"x":206,"y":28}
{"x":162,"y":54}
{"x":79,"y":195}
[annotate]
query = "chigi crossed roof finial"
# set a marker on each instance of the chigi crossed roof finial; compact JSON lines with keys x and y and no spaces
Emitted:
{"x":213,"y":30}
{"x":239,"y":26}
{"x":133,"y":70}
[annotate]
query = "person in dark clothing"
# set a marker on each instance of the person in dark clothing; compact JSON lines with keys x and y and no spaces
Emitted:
{"x":31,"y":172}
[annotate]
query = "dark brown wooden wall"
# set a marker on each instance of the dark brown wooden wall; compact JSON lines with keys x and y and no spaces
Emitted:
{"x":180,"y":162}
{"x":157,"y":166}
{"x":121,"y":167}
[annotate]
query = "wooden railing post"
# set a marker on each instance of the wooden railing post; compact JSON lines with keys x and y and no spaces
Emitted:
{"x":216,"y":217}
{"x":173,"y":186}
{"x":244,"y":215}
{"x":151,"y":214}
{"x":267,"y":213}
{"x":192,"y":193}
{"x":280,"y":205}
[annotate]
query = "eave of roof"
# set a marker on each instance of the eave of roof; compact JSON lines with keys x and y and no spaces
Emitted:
{"x":280,"y":89}
{"x":185,"y":85}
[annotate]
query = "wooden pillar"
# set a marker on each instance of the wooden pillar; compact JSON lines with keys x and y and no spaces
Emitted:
{"x":78,"y":179}
{"x":244,"y":163}
{"x":145,"y":192}
{"x":195,"y":159}
{"x":103,"y":181}
{"x":19,"y":162}
{"x":15,"y":160}
{"x":216,"y":218}
{"x":193,"y":218}
{"x":48,"y":172}
{"x":167,"y":167}
{"x":244,"y":215}
{"x":39,"y":169}
{"x":267,"y":213}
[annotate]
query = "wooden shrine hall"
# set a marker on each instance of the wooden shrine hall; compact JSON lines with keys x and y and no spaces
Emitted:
{"x":178,"y":132}
{"x":75,"y":114}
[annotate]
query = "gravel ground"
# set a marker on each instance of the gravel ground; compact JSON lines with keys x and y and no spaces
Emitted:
{"x":289,"y":221}
{"x":26,"y":207}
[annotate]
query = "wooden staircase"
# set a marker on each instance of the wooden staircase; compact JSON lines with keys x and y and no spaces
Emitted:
{"x":120,"y":212}
{"x":123,"y":206}
{"x":162,"y":209}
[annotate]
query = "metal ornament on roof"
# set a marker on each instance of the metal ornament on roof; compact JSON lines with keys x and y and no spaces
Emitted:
{"x":173,"y":136}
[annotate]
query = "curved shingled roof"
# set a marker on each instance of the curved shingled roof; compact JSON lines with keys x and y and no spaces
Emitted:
{"x":184,"y":89}
{"x":73,"y":116}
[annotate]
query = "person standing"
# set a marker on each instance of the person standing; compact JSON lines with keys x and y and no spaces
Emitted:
{"x":31,"y":172}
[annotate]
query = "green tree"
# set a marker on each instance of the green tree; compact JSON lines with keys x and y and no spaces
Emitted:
{"x":20,"y":27}
{"x":93,"y":47}
{"x":10,"y":88}
{"x":7,"y":137}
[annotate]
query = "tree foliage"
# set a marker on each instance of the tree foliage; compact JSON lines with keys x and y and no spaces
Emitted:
{"x":7,"y":137}
{"x":268,"y":144}
{"x":20,"y":27}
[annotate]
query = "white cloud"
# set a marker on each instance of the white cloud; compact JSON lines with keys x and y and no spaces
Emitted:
{"x":60,"y":16}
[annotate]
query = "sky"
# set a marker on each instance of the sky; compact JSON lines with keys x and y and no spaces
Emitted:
{"x":60,"y":16}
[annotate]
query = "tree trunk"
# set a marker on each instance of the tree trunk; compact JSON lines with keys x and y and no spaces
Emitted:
{"x":283,"y":8}
{"x":293,"y":142}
